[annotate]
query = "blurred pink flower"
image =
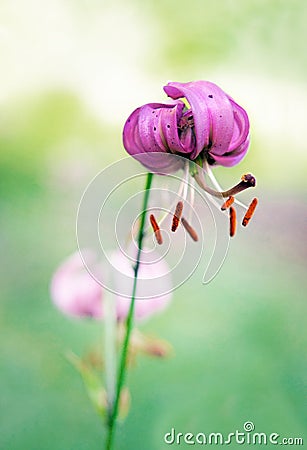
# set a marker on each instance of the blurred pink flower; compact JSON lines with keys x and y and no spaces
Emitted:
{"x":75,"y":292}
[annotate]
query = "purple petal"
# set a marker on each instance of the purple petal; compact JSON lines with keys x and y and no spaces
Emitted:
{"x":195,"y":97}
{"x":217,"y":119}
{"x":241,"y":126}
{"x":217,"y":125}
{"x":222,"y":121}
{"x":131,"y":137}
{"x":160,"y":163}
{"x":232,"y":158}
{"x":169,"y":127}
{"x":151,"y":129}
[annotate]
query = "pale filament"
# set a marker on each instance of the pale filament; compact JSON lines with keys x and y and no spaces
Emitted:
{"x":182,"y":193}
{"x":200,"y":178}
{"x":192,"y":198}
{"x":185,"y":180}
{"x":216,"y":184}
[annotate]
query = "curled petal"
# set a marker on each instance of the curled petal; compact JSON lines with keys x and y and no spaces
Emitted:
{"x":199,"y":108}
{"x":131,"y":138}
{"x":153,"y":129}
{"x":169,"y":129}
{"x":160,"y":163}
{"x":220,"y":123}
{"x":241,"y":127}
{"x":232,"y":158}
{"x":212,"y":123}
{"x":158,"y":128}
{"x":221,"y":120}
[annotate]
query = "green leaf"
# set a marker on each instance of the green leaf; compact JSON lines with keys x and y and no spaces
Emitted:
{"x":92,"y":383}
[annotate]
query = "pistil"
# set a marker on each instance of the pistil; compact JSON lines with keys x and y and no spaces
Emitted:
{"x":246,"y":182}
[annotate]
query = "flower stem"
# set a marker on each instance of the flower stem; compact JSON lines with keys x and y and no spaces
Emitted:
{"x":110,"y":350}
{"x":129,"y":321}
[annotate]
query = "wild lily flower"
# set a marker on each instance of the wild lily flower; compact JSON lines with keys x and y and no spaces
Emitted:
{"x":75,"y":292}
{"x":207,"y":127}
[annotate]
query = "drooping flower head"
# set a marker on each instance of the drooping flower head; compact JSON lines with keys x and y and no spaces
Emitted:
{"x":209,"y":125}
{"x":201,"y":124}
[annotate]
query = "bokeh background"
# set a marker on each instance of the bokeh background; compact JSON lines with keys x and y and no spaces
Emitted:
{"x":71,"y":72}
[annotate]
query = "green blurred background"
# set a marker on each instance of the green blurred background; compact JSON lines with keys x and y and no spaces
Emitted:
{"x":71,"y":72}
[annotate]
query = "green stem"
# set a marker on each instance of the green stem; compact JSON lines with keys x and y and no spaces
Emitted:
{"x":129,"y":320}
{"x":110,"y":350}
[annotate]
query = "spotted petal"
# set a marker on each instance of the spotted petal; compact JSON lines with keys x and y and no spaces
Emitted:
{"x":212,"y":123}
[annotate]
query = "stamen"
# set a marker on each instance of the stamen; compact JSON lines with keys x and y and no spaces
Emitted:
{"x":228,"y":203}
{"x":185,"y":180}
{"x":187,"y":121}
{"x":156,"y":229}
{"x":177,"y":216}
{"x":232,"y":221}
{"x":200,"y":179}
{"x":250,"y":212}
{"x":192,"y":198}
{"x":182,"y":187}
{"x":189,"y":229}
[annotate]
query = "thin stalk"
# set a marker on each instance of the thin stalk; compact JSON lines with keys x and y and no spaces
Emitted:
{"x":129,"y":321}
{"x":110,"y":350}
